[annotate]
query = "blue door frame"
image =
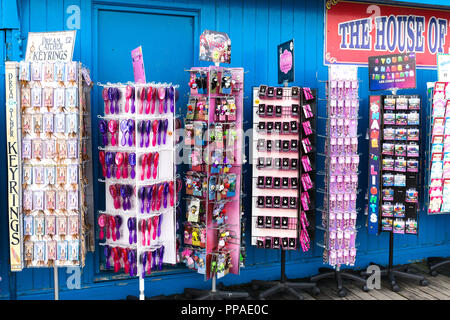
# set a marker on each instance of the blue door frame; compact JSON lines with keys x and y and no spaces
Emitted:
{"x":255,"y":28}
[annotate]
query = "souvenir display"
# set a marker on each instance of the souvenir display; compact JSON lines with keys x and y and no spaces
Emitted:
{"x":394,"y":164}
{"x":137,"y":152}
{"x":341,"y":163}
{"x":438,"y":164}
{"x":213,"y":139}
{"x":55,"y":166}
{"x":283,"y":167}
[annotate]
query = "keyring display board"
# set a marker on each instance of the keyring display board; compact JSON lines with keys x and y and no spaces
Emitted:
{"x":341,"y":166}
{"x":51,"y":114}
{"x":283,"y":158}
{"x":213,"y":142}
{"x":438,"y":151}
{"x":137,"y":229}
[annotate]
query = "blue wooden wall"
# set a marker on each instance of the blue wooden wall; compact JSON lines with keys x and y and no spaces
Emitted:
{"x":255,"y":28}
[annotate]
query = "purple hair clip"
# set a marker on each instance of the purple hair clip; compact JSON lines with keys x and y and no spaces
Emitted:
{"x":124,"y":129}
{"x":159,"y":225}
{"x":166,"y":126}
{"x":154,"y":260}
{"x":130,"y":129}
{"x":144,"y":262}
{"x":109,"y":159}
{"x":141,"y":196}
{"x":111,"y":97}
{"x":172,"y":98}
{"x":149,"y":197}
{"x":132,"y":260}
{"x":103,"y":128}
{"x":118,"y":225}
{"x":133,"y":93}
{"x":160,"y":257}
{"x":107,"y":251}
{"x":132,"y":162}
{"x":141,"y":129}
{"x":148,"y":127}
{"x":132,"y":228}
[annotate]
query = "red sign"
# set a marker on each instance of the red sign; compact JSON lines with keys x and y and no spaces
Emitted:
{"x":355,"y":31}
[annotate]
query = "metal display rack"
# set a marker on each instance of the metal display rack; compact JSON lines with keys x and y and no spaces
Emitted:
{"x":217,"y":97}
{"x":392,"y":272}
{"x":53,"y":120}
{"x":139,"y":173}
{"x":340,"y":83}
{"x":291,"y":110}
{"x":434,"y":263}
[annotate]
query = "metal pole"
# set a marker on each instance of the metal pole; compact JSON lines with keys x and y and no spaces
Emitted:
{"x":283,"y":266}
{"x":391,"y":250}
{"x":56,"y":283}
{"x":213,"y":284}
{"x":141,"y":287}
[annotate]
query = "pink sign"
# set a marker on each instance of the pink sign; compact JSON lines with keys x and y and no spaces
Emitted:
{"x":138,"y":65}
{"x":285,"y":61}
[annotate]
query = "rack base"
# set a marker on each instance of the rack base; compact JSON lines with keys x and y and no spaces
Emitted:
{"x":435,"y":263}
{"x":283,"y":286}
{"x":214,"y":295}
{"x":328,"y":273}
{"x":401,"y":272}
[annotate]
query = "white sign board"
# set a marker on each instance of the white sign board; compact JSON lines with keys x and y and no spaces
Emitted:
{"x":443,"y":67}
{"x":50,"y":46}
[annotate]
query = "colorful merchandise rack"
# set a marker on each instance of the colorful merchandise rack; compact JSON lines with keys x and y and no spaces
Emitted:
{"x":283,"y":167}
{"x":395,"y":164}
{"x":438,"y":165}
{"x":213,"y":139}
{"x":137,"y":156}
{"x":341,"y":163}
{"x":54,"y":173}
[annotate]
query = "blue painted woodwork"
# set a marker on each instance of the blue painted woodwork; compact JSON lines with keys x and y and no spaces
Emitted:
{"x":169,"y":32}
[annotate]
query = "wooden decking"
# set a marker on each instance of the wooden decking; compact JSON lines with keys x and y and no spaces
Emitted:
{"x":437,"y":289}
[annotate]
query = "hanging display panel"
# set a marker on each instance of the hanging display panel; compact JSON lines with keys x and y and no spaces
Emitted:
{"x":213,"y":139}
{"x":53,"y":113}
{"x":137,"y":227}
{"x":341,"y":166}
{"x":399,"y":162}
{"x":283,"y":158}
{"x":438,"y":164}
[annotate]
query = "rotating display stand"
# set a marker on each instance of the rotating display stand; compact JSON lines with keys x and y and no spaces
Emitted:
{"x":284,"y":145}
{"x":213,"y":139}
{"x":52,"y":121}
{"x":438,"y":159}
{"x":341,"y":177}
{"x":394,"y":149}
{"x":137,"y":156}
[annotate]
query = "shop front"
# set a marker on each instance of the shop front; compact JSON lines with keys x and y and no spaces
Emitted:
{"x":325,"y":33}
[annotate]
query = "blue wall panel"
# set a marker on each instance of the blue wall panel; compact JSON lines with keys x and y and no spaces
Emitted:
{"x":255,"y":28}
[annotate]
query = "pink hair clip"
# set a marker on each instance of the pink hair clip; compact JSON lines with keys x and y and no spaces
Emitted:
{"x":307,"y":128}
{"x":306,"y":164}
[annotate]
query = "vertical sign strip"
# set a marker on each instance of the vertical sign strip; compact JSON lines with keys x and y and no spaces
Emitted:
{"x":374,"y":162}
{"x":13,"y":154}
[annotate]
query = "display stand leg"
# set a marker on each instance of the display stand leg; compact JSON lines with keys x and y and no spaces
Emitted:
{"x":392,"y":273}
{"x":141,"y":288}
{"x":56,"y":282}
{"x":283,"y":285}
{"x":339,"y":275}
{"x":214,"y":294}
{"x":435,"y":263}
